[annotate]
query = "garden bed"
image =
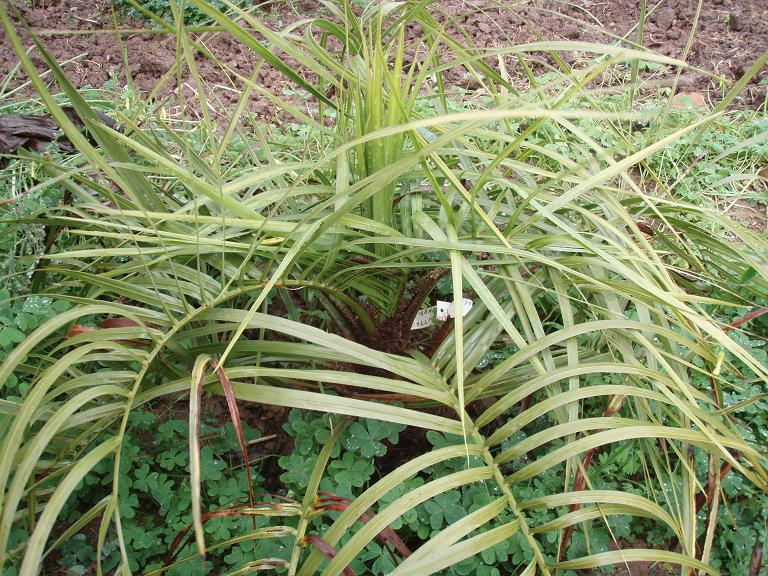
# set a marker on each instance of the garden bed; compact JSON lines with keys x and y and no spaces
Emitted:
{"x":731,"y":34}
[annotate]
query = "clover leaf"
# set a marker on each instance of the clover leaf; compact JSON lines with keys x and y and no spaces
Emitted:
{"x":351,"y":470}
{"x":445,"y":509}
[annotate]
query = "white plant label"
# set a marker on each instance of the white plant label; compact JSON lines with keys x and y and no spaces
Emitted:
{"x":442,"y":311}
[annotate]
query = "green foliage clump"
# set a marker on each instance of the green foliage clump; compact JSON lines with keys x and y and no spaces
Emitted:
{"x":155,"y":507}
{"x":18,"y":318}
{"x":162,"y":9}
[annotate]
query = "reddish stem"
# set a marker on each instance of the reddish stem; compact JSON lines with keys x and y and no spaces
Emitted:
{"x":580,"y":479}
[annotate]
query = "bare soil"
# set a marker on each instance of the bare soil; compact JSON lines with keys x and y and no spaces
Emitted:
{"x":730,"y":36}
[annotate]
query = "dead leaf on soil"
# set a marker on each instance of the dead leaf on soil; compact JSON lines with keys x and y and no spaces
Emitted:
{"x":25,"y":131}
{"x":32,"y":131}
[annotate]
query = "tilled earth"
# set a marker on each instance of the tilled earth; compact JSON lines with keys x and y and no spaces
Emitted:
{"x":731,"y":35}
